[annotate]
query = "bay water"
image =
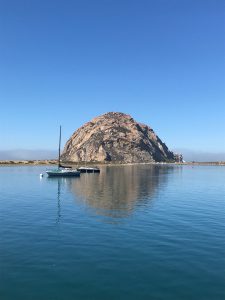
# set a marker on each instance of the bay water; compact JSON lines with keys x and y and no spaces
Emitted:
{"x":130,"y":232}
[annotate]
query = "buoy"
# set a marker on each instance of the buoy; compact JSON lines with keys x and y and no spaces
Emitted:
{"x":41,"y":175}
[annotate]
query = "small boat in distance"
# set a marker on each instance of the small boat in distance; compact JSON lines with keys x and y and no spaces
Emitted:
{"x":62,"y":171}
{"x":89,"y":170}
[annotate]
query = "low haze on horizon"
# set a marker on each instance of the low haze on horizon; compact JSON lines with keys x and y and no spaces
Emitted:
{"x":66,"y":62}
{"x":41,"y":154}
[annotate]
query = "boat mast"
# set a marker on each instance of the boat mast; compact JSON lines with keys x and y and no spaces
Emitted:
{"x":59,"y":145}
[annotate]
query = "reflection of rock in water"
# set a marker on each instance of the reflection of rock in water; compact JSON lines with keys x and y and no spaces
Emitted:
{"x":116,"y":190}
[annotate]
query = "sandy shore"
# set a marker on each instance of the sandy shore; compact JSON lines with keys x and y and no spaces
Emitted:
{"x":28,"y":162}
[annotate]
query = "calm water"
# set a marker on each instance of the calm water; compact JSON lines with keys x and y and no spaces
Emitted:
{"x":134,"y":232}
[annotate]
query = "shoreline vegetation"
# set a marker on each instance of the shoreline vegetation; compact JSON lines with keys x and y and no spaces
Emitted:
{"x":55,"y":162}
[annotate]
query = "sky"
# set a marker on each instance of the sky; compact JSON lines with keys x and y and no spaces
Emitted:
{"x":66,"y":62}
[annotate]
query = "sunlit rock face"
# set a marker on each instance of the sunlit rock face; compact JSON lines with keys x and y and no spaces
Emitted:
{"x":117,"y":138}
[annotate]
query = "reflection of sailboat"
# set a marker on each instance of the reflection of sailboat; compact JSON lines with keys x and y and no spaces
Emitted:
{"x":58,"y":203}
{"x":58,"y":195}
{"x":62,"y":171}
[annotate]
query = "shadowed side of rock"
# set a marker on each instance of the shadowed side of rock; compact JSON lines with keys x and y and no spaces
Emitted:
{"x":115,"y":138}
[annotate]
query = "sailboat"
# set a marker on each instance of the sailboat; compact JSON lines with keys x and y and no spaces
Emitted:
{"x":85,"y":169}
{"x":62,"y":171}
{"x":89,"y":169}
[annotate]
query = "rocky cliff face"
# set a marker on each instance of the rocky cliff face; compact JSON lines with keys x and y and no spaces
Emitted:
{"x":115,"y":137}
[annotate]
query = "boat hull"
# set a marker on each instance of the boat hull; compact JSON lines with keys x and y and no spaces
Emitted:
{"x":63,"y":173}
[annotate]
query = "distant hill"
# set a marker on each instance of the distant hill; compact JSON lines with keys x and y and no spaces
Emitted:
{"x":116,"y":137}
{"x":23,"y":154}
{"x":201,"y":156}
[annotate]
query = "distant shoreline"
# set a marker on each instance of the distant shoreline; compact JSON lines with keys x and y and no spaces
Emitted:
{"x":55,"y":162}
{"x":29,"y":162}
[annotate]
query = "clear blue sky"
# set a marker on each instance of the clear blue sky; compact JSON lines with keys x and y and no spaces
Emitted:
{"x":65,"y":62}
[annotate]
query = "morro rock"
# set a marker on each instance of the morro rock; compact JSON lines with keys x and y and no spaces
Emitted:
{"x":117,"y":138}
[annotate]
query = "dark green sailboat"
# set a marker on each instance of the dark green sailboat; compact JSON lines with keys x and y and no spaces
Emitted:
{"x":62,"y":171}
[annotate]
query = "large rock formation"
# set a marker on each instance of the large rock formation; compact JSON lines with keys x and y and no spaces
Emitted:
{"x":115,"y":137}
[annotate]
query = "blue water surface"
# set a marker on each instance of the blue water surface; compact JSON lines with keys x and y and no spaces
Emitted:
{"x":130,"y":232}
